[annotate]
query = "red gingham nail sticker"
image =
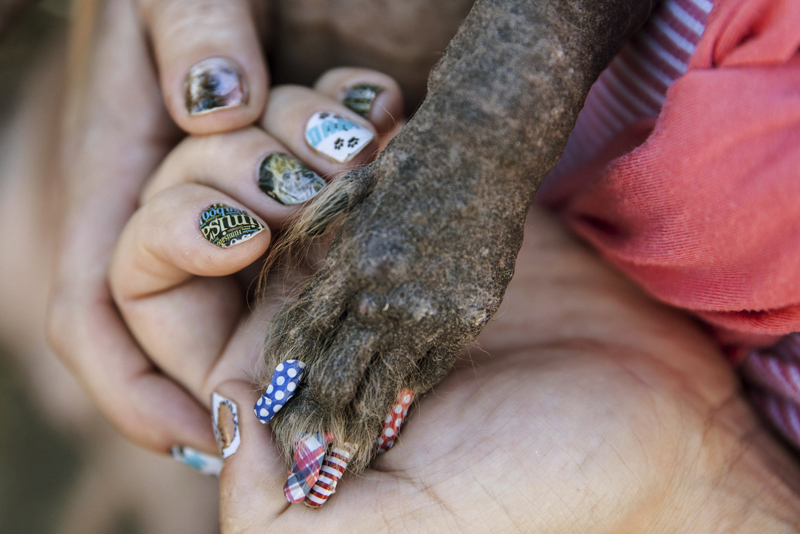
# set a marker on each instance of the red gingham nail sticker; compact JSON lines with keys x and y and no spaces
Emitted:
{"x":309,"y":451}
{"x":394,"y":421}
{"x":333,"y":469}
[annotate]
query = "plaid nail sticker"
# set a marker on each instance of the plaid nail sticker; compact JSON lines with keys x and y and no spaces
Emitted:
{"x":332,"y":470}
{"x":360,"y":98}
{"x":336,"y":137}
{"x":199,"y":461}
{"x":281,"y":388}
{"x":309,"y":452}
{"x":394,"y":421}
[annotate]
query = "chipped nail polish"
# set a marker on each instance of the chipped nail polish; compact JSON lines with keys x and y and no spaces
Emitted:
{"x":336,"y":137}
{"x":309,"y":452}
{"x":394,"y":421}
{"x":199,"y":461}
{"x":225,"y":226}
{"x":213,"y":84}
{"x":287,"y":180}
{"x":330,"y":473}
{"x":360,"y":98}
{"x":225,"y":416}
{"x":281,"y":388}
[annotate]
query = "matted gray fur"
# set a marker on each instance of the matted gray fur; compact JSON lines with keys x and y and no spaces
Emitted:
{"x":431,"y":229}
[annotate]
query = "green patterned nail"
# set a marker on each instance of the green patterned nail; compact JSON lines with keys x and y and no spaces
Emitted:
{"x":287,"y":180}
{"x":360,"y":98}
{"x":225,"y":226}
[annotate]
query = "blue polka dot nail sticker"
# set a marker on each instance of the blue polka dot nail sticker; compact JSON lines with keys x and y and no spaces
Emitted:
{"x":281,"y":388}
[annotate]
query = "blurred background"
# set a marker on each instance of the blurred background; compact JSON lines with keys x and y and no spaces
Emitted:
{"x":63,"y":469}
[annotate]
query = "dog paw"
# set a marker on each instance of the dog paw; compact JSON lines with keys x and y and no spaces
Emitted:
{"x":415,"y":271}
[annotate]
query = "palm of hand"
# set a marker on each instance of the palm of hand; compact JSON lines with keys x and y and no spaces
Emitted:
{"x":586,"y":406}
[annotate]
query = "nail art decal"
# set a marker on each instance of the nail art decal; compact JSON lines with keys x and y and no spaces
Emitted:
{"x":330,"y":473}
{"x":225,"y":226}
{"x":281,"y":388}
{"x":225,"y":415}
{"x":214,"y":84}
{"x":336,"y":137}
{"x":309,"y":451}
{"x":199,"y":461}
{"x":394,"y":421}
{"x":360,"y":98}
{"x":287,"y":180}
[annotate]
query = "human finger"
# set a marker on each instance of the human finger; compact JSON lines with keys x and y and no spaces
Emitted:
{"x":252,"y":479}
{"x":320,"y":131}
{"x":375,"y":96}
{"x":169,"y":277}
{"x":212,"y":70}
{"x":112,"y":150}
{"x":248,"y":165}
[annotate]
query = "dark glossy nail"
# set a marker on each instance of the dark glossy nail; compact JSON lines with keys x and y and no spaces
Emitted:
{"x":214,"y":84}
{"x":225,"y":226}
{"x":360,"y":98}
{"x":287,"y":180}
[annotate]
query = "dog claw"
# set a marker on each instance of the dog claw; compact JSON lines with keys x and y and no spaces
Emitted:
{"x":332,"y":470}
{"x":309,"y":453}
{"x":394,"y":421}
{"x":281,"y":389}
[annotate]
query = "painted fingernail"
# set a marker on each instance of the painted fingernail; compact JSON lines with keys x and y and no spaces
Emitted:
{"x":225,"y":415}
{"x":394,"y":421}
{"x":287,"y":180}
{"x":225,"y":226}
{"x":309,"y":452}
{"x":330,"y":473}
{"x":214,"y":84}
{"x":336,"y":137}
{"x":360,"y":98}
{"x":199,"y":461}
{"x":281,"y":388}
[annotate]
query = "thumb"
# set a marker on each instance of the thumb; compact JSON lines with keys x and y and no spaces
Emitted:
{"x":251,"y":481}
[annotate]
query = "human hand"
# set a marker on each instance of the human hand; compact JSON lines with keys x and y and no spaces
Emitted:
{"x":585,"y":407}
{"x":117,"y":131}
{"x":184,"y":298}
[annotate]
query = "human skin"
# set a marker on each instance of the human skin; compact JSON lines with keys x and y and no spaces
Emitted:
{"x":158,"y":434}
{"x":118,"y":130}
{"x":584,"y":407}
{"x":588,"y":315}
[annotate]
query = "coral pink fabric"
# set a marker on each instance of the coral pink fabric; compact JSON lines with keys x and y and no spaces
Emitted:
{"x":702,"y":206}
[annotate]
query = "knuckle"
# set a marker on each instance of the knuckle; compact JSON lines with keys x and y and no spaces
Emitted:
{"x":174,"y":19}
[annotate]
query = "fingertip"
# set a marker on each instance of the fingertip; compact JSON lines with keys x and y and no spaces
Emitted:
{"x":187,"y":230}
{"x":212,"y":69}
{"x":372,"y":94}
{"x":254,"y":475}
{"x":217,"y":94}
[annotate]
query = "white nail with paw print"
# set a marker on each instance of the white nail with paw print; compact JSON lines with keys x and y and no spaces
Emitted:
{"x":336,"y":137}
